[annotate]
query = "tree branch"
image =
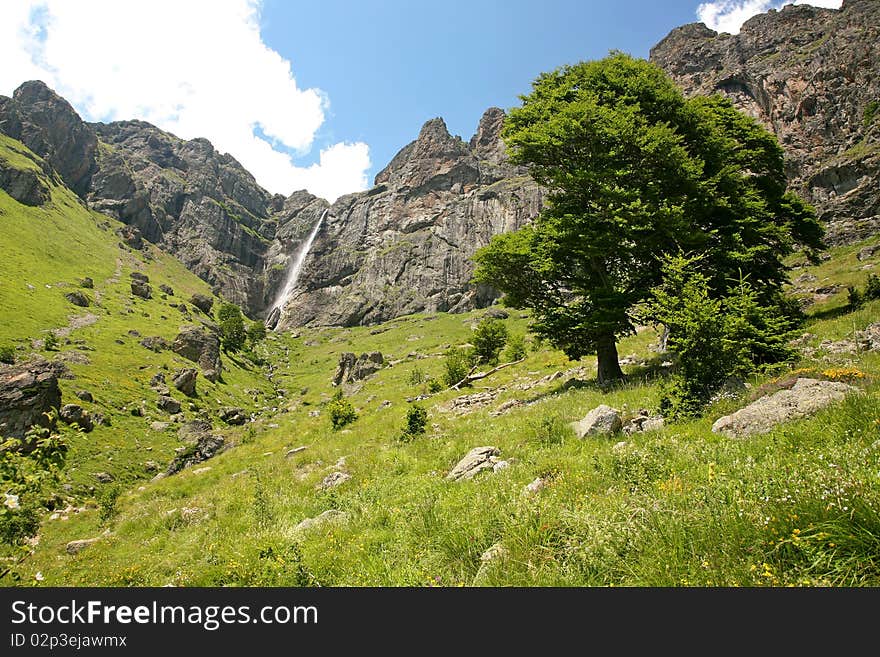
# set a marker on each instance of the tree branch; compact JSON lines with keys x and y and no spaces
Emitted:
{"x":470,"y":376}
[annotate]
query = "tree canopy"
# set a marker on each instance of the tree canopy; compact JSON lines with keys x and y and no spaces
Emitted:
{"x":634,"y":171}
{"x":233,"y":333}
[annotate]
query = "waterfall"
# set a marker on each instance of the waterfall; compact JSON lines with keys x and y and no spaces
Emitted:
{"x":294,"y":272}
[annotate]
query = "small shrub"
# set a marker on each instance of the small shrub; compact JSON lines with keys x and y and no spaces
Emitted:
{"x":233,"y":334}
{"x":712,"y":337}
{"x":254,"y":357}
{"x":489,"y":338}
{"x":458,"y":362}
{"x":256,"y":333}
{"x":872,"y":111}
{"x":261,"y":507}
{"x":855,"y":298}
{"x":434,"y":386}
{"x":516,"y":348}
{"x":28,"y":481}
{"x":284,"y":566}
{"x":416,"y":376}
{"x":872,"y":287}
{"x":7,"y":354}
{"x":107,"y":499}
{"x":341,"y":411}
{"x":416,"y":420}
{"x":550,"y":430}
{"x":51,"y":342}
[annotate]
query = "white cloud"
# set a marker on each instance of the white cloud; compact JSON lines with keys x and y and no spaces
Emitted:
{"x":729,"y":15}
{"x":196,"y":68}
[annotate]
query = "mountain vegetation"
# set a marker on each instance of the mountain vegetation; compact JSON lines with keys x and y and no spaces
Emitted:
{"x":680,"y":388}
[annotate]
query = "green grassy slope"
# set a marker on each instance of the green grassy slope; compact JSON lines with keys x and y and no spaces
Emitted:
{"x":676,"y":507}
{"x":46,"y":252}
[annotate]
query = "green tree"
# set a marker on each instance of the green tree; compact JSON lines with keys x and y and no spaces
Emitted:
{"x":516,"y":348}
{"x":416,"y":420}
{"x":489,"y":338}
{"x":712,"y":338}
{"x":457,"y":362}
{"x":341,"y":411}
{"x":30,"y":470}
{"x":256,"y":333}
{"x":634,"y":171}
{"x":233,"y":334}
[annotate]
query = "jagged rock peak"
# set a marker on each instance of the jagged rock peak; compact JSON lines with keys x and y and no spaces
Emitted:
{"x":48,"y":125}
{"x":436,"y":150}
{"x":810,"y":75}
{"x":794,"y":16}
{"x":433,"y":147}
{"x":486,"y":142}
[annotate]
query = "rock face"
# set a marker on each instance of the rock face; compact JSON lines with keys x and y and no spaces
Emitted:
{"x":198,"y":204}
{"x":811,"y":76}
{"x":51,"y":128}
{"x":24,"y":185}
{"x":406,"y":245}
{"x":804,"y":398}
{"x":27,"y":391}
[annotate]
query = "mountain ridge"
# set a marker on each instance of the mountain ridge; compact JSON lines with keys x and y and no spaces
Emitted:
{"x":406,"y":244}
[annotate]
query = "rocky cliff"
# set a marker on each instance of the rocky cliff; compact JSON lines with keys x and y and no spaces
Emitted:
{"x":401,"y":247}
{"x":812,"y":76}
{"x":406,"y":245}
{"x":198,"y":204}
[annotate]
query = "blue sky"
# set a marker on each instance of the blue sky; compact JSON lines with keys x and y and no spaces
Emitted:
{"x":389,"y":66}
{"x":321,"y":95}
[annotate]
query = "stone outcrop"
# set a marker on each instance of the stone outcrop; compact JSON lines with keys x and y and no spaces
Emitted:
{"x":206,"y":446}
{"x":473,"y":463}
{"x":75,"y":414}
{"x":200,"y":346}
{"x":77,"y":299}
{"x":233,"y":416}
{"x":329,"y":516}
{"x":77,"y":546}
{"x":24,"y":185}
{"x":811,"y":76}
{"x":203,"y":302}
{"x":602,"y":420}
{"x":805,"y":397}
{"x":27,"y":392}
{"x":643,"y":421}
{"x":353,"y":368}
{"x":185,"y":381}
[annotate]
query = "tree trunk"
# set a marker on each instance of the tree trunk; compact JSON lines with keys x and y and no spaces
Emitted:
{"x":606,"y":354}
